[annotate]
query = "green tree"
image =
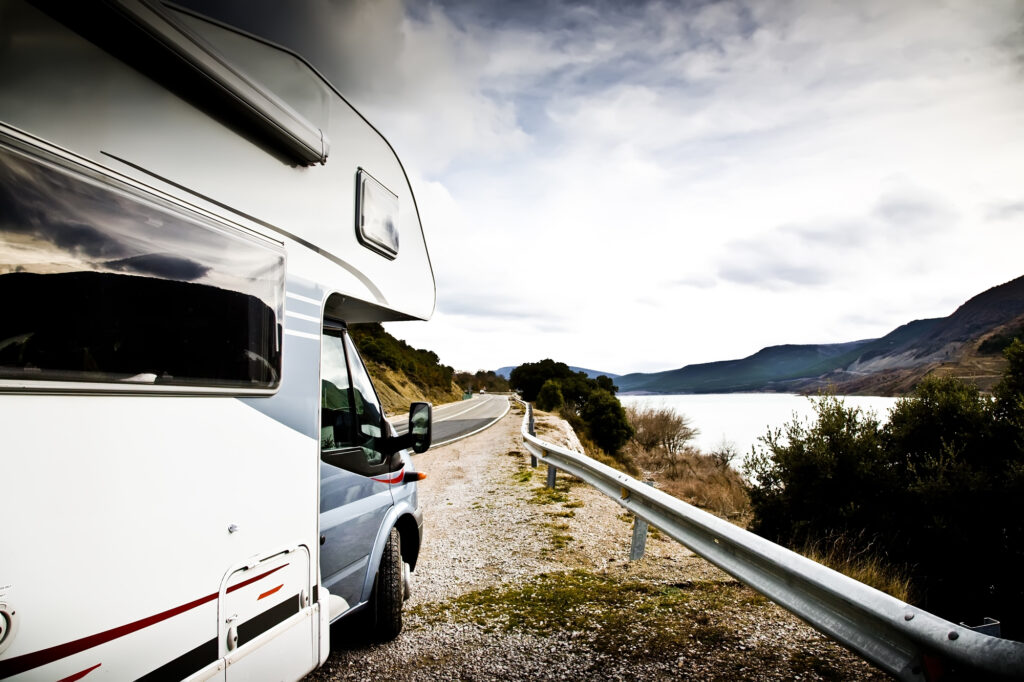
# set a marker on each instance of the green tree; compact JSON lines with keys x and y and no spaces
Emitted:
{"x":530,"y":376}
{"x":549,"y":397}
{"x":586,"y":403}
{"x":1009,"y":392}
{"x":486,"y":380}
{"x":606,"y":421}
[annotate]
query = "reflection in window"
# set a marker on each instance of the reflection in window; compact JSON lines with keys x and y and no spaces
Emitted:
{"x":351,"y":420}
{"x":369,"y":415}
{"x":288,"y":77}
{"x":103,"y":284}
{"x":336,"y":423}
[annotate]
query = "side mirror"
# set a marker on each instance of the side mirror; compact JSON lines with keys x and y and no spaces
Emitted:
{"x":421,"y":416}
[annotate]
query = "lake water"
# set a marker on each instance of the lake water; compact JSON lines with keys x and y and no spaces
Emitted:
{"x":742,"y":418}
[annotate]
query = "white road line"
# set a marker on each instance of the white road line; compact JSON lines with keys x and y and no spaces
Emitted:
{"x":508,"y":406}
{"x":397,"y":419}
{"x":471,"y":407}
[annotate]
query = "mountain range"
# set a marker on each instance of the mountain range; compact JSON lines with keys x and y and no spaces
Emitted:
{"x":967,"y":344}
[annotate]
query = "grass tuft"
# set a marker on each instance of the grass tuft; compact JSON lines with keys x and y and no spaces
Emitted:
{"x":611,"y":614}
{"x":854,"y":558}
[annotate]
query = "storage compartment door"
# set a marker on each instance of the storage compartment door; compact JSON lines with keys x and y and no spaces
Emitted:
{"x":268,"y":626}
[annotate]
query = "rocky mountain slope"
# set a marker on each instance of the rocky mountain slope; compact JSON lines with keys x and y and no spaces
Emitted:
{"x":966,"y":344}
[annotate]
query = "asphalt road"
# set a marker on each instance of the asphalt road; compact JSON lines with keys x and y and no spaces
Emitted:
{"x":457,"y":420}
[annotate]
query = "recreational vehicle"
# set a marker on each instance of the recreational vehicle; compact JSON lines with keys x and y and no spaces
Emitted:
{"x":196,"y":475}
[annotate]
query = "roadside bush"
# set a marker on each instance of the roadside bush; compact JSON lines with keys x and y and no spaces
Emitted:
{"x":939,"y":488}
{"x":813,"y":479}
{"x":529,"y":377}
{"x":660,"y":445}
{"x":549,"y":398}
{"x":700,"y":480}
{"x":606,"y":421}
{"x":622,"y":460}
{"x":660,"y":427}
{"x":589,"y":404}
{"x":858,"y":558}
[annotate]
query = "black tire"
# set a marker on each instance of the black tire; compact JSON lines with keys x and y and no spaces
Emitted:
{"x":387,"y":591}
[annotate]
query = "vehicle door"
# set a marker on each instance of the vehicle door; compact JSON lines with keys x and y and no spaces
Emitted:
{"x":352,"y":503}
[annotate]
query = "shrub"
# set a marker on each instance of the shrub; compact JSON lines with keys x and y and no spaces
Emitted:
{"x":939,"y":488}
{"x":529,"y":377}
{"x":549,"y":397}
{"x":600,"y":414}
{"x":606,"y":421}
{"x":819,"y":478}
{"x":486,"y":380}
{"x":660,"y":427}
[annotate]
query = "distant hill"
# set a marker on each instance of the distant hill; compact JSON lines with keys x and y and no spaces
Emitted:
{"x":966,"y":344}
{"x":591,"y":373}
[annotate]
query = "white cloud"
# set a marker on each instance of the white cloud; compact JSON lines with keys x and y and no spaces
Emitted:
{"x":645,"y":186}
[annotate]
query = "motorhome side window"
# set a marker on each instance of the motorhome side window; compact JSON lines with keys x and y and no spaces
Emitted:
{"x":102,"y":283}
{"x":352,"y":422}
{"x":369,"y":414}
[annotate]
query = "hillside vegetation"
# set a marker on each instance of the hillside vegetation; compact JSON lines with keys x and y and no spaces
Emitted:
{"x":589,"y":405}
{"x":403,"y":374}
{"x":482,"y":381}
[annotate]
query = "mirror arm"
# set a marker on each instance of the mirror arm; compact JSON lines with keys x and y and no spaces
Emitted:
{"x":391,"y":445}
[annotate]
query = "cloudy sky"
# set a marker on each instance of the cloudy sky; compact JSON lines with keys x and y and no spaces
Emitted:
{"x":640,"y":186}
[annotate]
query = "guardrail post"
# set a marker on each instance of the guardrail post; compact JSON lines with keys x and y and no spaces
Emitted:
{"x":533,"y":432}
{"x":639,"y":542}
{"x":551,"y":476}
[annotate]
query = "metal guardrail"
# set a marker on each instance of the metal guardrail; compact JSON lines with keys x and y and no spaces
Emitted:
{"x":905,"y":641}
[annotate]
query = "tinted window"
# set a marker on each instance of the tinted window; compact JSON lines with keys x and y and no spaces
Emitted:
{"x":337,"y":428}
{"x":351,"y":422}
{"x":370,"y":427}
{"x":101,"y":283}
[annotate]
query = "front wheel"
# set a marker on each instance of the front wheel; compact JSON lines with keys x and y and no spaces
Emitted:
{"x":388,"y":591}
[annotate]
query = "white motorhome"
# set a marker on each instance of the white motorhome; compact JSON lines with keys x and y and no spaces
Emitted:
{"x":196,"y":476}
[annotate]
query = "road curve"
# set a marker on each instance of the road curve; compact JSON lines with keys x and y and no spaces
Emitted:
{"x":453,"y":421}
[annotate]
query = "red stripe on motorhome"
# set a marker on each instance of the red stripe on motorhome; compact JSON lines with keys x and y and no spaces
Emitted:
{"x":393,"y":478}
{"x":269,"y":592}
{"x":20,"y":664}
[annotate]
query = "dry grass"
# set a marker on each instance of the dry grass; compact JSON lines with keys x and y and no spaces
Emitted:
{"x":623,"y":462}
{"x":702,"y":479}
{"x":854,"y":557}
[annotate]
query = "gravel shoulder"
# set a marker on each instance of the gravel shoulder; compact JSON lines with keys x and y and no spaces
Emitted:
{"x":516,"y":582}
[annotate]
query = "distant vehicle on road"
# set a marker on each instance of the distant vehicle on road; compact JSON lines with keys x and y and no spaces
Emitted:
{"x":197,"y":473}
